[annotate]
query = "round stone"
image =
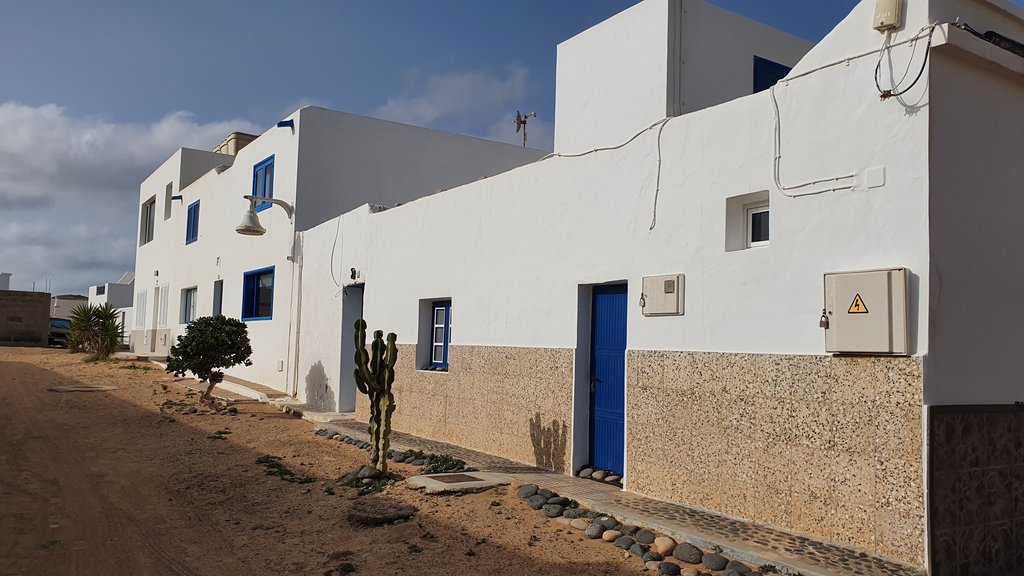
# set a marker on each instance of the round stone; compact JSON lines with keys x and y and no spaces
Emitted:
{"x":730,"y":573}
{"x":546,"y":493}
{"x":563,"y":521}
{"x":714,"y":561}
{"x":586,"y":472}
{"x":669,"y":569}
{"x":638,"y":550}
{"x":612,"y":478}
{"x":330,"y":436}
{"x":653,"y":566}
{"x":421,"y":462}
{"x":191,"y":410}
{"x":524,"y":491}
{"x":574,"y":513}
{"x":560,"y":500}
{"x":599,"y":475}
{"x":580,"y":523}
{"x":553,"y":510}
{"x":664,"y":545}
{"x":623,"y":542}
{"x":611,"y":535}
{"x":609,"y":522}
{"x":692,"y":572}
{"x":652,"y":555}
{"x":645,"y":537}
{"x":738,"y":566}
{"x":629,"y":530}
{"x":688,"y":553}
{"x":594,"y":531}
{"x":536,"y":501}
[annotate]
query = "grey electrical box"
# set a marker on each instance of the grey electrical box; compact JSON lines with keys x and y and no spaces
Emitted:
{"x":866,"y":312}
{"x":663,"y":295}
{"x":888,"y":15}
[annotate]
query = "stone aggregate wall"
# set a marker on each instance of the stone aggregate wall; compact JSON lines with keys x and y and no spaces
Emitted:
{"x":976,"y":465}
{"x":24,"y":318}
{"x":507,"y":401}
{"x":826,"y":446}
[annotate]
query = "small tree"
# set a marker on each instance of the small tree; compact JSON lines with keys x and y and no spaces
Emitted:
{"x":210,"y":343}
{"x":95,"y":329}
{"x":375,"y":373}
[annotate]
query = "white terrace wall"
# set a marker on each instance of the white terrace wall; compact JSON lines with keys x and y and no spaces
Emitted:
{"x":743,"y":373}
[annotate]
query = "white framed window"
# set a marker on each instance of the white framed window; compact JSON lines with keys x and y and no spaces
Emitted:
{"x":147,"y":220}
{"x":140,"y":309}
{"x":188,"y":304}
{"x":756,"y":224}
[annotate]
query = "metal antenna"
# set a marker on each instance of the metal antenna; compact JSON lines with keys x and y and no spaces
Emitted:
{"x":521,"y":123}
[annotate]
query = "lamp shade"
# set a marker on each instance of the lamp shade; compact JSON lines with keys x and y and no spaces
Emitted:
{"x":250,"y":225}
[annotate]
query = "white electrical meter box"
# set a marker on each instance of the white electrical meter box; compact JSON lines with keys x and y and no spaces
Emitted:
{"x":663,"y":295}
{"x":888,"y":15}
{"x":866,"y":312}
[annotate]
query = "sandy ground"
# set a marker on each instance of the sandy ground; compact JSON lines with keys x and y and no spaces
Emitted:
{"x":105,"y":483}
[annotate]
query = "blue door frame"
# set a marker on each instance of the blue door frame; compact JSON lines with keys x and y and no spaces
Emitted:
{"x":608,"y":378}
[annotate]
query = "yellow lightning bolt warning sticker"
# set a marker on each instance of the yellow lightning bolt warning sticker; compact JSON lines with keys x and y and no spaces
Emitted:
{"x":858,"y":306}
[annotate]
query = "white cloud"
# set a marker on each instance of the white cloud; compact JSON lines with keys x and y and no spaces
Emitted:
{"x":69,"y":188}
{"x":475,"y":103}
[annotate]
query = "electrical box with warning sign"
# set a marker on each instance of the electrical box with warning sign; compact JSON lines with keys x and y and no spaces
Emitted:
{"x":866,"y":312}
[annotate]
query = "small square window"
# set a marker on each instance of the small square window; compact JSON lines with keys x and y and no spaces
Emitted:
{"x":258,"y":294}
{"x":263,"y":182}
{"x":757,"y":225}
{"x":188,"y":305}
{"x":192,"y":224}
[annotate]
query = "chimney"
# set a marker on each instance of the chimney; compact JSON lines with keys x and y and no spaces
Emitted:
{"x":233,"y":143}
{"x":5,"y":280}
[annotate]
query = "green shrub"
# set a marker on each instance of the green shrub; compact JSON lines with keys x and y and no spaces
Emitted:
{"x":95,"y":329}
{"x":210,"y":343}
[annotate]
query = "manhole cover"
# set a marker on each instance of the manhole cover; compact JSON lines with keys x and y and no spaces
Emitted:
{"x":455,"y":478}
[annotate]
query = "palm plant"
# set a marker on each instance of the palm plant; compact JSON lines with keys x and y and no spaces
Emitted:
{"x":95,"y":329}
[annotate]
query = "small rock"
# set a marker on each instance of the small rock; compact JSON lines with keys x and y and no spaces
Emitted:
{"x":495,"y":503}
{"x":536,"y":501}
{"x":526,"y":491}
{"x":612,"y":478}
{"x":664,"y":545}
{"x":599,"y":475}
{"x":546,"y":493}
{"x":688,"y":553}
{"x":623,"y":542}
{"x":645,"y":537}
{"x":368,"y":472}
{"x":586,"y":473}
{"x":560,"y":500}
{"x":594,"y":531}
{"x":653,"y":566}
{"x":580,"y":523}
{"x":714,"y":561}
{"x":553,"y":510}
{"x":652,"y":555}
{"x":367,"y":481}
{"x":629,"y":530}
{"x":738,"y":566}
{"x":419,"y":462}
{"x":232,"y":410}
{"x":730,"y":573}
{"x":638,"y":550}
{"x":670,"y":569}
{"x":609,"y":522}
{"x":611,"y":535}
{"x":564,"y":521}
{"x":574,"y":513}
{"x":321,"y":432}
{"x":692,"y":572}
{"x":191,"y":410}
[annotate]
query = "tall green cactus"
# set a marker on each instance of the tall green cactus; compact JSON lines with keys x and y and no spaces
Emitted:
{"x":375,"y":373}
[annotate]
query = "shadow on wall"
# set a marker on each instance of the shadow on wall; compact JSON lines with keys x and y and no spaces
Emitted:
{"x":318,"y":389}
{"x":549,"y":443}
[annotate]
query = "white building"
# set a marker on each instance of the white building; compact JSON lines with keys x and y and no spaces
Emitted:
{"x":121,"y":296}
{"x":624,"y":303}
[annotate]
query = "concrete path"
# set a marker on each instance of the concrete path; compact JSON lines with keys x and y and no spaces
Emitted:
{"x":740,"y":540}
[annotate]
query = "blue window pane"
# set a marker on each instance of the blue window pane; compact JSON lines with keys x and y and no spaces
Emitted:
{"x":258,"y":294}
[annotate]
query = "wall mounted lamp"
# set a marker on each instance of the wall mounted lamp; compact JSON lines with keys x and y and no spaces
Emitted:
{"x":250,"y":225}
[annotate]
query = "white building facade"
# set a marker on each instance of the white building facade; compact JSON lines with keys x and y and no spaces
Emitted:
{"x":525,"y":303}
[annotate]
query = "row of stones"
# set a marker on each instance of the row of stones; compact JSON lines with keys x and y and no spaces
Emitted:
{"x":399,"y":457}
{"x":652,"y":548}
{"x":592,"y":473}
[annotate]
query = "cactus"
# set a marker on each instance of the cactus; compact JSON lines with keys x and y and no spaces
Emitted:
{"x":375,"y":373}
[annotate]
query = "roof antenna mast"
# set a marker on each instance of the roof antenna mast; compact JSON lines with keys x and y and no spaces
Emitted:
{"x":521,"y":123}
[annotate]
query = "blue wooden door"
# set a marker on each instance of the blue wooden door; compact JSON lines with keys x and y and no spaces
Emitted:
{"x":608,"y":378}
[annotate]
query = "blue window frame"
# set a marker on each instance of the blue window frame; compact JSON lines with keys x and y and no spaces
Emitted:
{"x":192,"y":225}
{"x":441,"y":333}
{"x":767,"y":73}
{"x":263,"y":182}
{"x":258,"y":294}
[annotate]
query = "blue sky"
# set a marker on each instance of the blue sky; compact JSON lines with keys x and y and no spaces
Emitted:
{"x":97,"y":94}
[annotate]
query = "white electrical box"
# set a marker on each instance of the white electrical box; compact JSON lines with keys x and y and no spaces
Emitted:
{"x":663,"y":295}
{"x":866,"y":312}
{"x":888,"y":15}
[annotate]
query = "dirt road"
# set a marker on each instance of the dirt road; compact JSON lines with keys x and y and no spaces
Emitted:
{"x":109,"y":483}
